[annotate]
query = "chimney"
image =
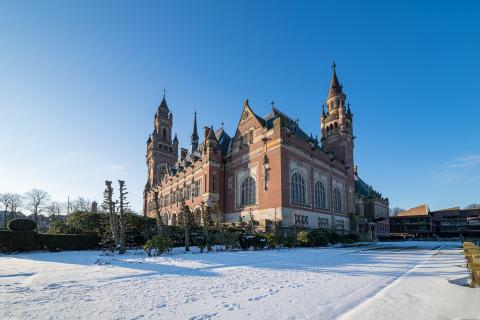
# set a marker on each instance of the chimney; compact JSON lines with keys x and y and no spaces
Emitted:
{"x":206,"y":131}
{"x":183,"y":154}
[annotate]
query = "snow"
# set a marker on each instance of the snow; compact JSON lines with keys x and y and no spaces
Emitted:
{"x":394,"y":280}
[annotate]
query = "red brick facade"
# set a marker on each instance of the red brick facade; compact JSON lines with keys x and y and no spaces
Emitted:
{"x":270,"y":169}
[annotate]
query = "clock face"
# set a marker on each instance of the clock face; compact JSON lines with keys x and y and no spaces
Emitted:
{"x":245,"y":115}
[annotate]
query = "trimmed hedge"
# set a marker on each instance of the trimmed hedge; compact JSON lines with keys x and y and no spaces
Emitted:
{"x":12,"y":241}
{"x":22,"y":225}
{"x":59,"y":242}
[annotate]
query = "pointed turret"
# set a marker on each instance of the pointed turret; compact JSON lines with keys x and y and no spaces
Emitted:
{"x":194,"y":138}
{"x":163,"y":108}
{"x":335,"y":86}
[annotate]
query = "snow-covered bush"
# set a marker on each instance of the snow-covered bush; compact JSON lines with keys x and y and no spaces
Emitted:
{"x":22,"y":225}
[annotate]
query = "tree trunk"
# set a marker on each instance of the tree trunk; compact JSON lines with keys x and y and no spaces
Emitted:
{"x":121,"y":247}
{"x":187,"y":238}
{"x":35,"y":215}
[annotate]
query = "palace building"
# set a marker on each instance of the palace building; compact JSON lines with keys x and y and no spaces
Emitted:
{"x":269,"y":170}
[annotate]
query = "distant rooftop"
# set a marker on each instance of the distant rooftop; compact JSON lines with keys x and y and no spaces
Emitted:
{"x":421,"y":210}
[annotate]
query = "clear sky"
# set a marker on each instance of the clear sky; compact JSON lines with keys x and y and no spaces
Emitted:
{"x":80,"y":82}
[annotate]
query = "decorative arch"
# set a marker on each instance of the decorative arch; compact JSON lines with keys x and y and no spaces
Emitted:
{"x":173,"y":220}
{"x":298,"y":194}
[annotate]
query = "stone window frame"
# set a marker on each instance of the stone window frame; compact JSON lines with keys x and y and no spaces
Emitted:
{"x":317,"y":194}
{"x":248,"y":191}
{"x":239,"y":177}
{"x":337,"y":199}
{"x":295,"y":188}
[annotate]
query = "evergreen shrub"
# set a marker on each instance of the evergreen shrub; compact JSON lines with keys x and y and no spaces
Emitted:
{"x":22,"y":225}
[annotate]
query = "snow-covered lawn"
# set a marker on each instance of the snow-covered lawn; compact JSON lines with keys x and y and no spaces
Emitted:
{"x":407,"y":280}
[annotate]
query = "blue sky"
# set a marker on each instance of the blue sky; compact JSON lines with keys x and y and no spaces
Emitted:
{"x":80,"y":82}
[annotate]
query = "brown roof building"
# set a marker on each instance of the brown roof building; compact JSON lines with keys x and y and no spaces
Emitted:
{"x":450,"y":222}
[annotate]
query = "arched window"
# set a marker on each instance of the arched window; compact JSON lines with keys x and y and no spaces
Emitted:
{"x":248,"y":191}
{"x":320,"y":195}
{"x":174,"y":219}
{"x":297,"y":189}
{"x":164,"y":133}
{"x":337,"y":199}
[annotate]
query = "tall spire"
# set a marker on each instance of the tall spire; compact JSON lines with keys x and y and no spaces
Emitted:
{"x":194,"y":139}
{"x":335,"y":86}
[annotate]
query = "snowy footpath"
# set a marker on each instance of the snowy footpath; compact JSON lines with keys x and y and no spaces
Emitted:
{"x":390,"y":280}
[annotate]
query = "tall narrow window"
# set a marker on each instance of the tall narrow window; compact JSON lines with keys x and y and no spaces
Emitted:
{"x":337,"y":199}
{"x":214,"y":182}
{"x":248,"y":191}
{"x":320,"y":195}
{"x":297,"y":189}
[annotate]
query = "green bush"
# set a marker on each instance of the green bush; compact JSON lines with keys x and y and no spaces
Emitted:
{"x":88,"y":223}
{"x":317,"y":238}
{"x":60,"y":227}
{"x":289,"y":239}
{"x":22,"y":225}
{"x":158,"y":245}
{"x":229,"y":238}
{"x":303,"y":239}
{"x":259,"y":242}
{"x":272,"y":240}
{"x":333,"y":237}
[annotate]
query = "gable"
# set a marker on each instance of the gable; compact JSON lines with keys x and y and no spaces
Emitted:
{"x":248,"y":120}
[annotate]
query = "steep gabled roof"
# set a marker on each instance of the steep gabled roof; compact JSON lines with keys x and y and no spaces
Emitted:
{"x":288,"y":122}
{"x":223,"y":140}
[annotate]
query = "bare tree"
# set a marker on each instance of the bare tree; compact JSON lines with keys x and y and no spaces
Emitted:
{"x":81,"y":204}
{"x":109,"y":207}
{"x":16,"y":202}
{"x":35,"y":201}
{"x":5,"y":201}
{"x":473,"y":206}
{"x":122,"y":208}
{"x":395,"y":211}
{"x":54,"y":209}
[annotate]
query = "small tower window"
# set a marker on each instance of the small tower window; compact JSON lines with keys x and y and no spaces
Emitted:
{"x":164,"y":134}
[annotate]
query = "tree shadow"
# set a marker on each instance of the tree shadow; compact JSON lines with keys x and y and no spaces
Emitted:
{"x":390,"y":260}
